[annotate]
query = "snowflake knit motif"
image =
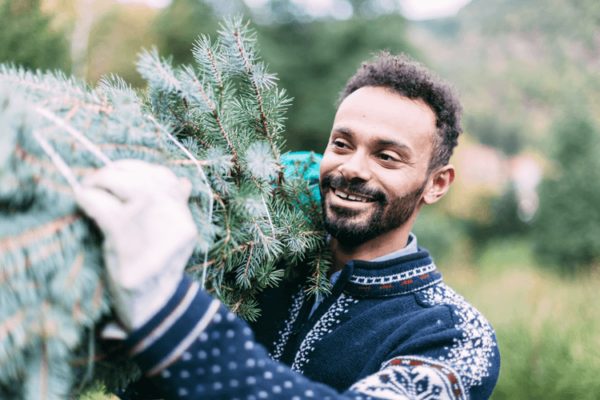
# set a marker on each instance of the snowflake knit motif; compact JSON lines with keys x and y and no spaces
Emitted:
{"x":284,"y":334}
{"x":412,"y":378}
{"x":470,"y":354}
{"x":324,"y":326}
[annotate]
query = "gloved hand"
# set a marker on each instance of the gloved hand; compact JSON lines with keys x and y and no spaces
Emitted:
{"x":148,"y":231}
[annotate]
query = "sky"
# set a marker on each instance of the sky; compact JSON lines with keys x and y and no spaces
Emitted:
{"x":427,"y":9}
{"x":412,"y":9}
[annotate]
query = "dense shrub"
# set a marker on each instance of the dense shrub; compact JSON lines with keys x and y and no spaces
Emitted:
{"x":567,"y":224}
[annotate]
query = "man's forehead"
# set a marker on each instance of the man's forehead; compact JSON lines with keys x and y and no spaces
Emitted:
{"x":385,"y":115}
{"x":385,"y":92}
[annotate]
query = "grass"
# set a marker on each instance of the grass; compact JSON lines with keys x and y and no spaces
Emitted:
{"x":548,"y":327}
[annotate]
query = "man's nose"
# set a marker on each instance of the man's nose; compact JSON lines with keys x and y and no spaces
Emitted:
{"x":357,"y":166}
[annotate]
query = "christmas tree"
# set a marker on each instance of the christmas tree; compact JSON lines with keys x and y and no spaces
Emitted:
{"x":218,"y":123}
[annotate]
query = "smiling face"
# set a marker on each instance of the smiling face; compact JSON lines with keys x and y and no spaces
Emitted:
{"x":374,"y":170}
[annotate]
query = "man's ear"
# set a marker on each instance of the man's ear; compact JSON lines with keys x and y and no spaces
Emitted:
{"x":439,"y":183}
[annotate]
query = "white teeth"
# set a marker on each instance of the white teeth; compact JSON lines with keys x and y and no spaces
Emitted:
{"x":349,"y":196}
{"x":341,"y":194}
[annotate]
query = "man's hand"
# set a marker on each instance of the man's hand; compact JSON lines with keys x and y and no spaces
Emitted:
{"x":148,"y":231}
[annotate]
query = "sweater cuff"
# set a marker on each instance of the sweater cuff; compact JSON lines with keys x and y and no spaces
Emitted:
{"x":162,"y":340}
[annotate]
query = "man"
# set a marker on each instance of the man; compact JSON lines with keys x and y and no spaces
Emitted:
{"x":390,"y":328}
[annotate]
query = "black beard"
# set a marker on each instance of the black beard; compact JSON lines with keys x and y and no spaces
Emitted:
{"x":388,"y":213}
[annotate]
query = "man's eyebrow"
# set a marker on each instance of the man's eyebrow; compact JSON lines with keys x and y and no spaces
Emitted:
{"x":343,"y":130}
{"x":398,"y":145}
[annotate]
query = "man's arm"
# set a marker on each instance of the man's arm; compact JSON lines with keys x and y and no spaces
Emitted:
{"x":195,"y":348}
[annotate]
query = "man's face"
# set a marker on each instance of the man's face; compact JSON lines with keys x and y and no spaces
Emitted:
{"x":374,"y":169}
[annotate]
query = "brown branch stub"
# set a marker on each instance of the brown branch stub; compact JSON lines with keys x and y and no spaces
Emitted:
{"x":237,"y":306}
{"x":202,"y":163}
{"x":72,"y":112}
{"x":31,"y":235}
{"x":187,"y":125}
{"x":318,"y":266}
{"x":263,"y":116}
{"x":216,"y":115}
{"x":226,"y":218}
{"x":214,"y":65}
{"x":44,"y":372}
{"x":48,"y":166}
{"x":75,"y":269}
{"x":44,"y":88}
{"x":212,"y":60}
{"x":317,"y":274}
{"x":211,"y":262}
{"x":241,"y":50}
{"x":104,"y":99}
{"x":97,"y":299}
{"x":249,"y":259}
{"x":205,"y":144}
{"x":11,"y":323}
{"x":83,"y":361}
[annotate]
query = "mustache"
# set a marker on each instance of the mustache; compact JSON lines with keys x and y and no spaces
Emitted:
{"x":356,"y":186}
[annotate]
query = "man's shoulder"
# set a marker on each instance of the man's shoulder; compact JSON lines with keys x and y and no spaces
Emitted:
{"x":474,"y":353}
{"x":442,"y":295}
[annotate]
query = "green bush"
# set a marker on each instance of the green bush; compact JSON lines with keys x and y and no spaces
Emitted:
{"x":438,"y":233}
{"x":567,"y":224}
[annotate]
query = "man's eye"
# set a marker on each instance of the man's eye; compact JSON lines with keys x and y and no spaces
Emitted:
{"x":339,"y":145}
{"x":386,"y":157}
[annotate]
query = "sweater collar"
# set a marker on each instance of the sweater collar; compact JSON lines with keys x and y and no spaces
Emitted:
{"x":391,"y":277}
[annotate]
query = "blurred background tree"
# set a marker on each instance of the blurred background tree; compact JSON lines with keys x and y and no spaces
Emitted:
{"x":567,"y":224}
{"x":28,"y":39}
{"x":518,"y":233}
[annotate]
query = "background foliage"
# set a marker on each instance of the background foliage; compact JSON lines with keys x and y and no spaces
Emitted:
{"x":524,"y":248}
{"x":26,"y":37}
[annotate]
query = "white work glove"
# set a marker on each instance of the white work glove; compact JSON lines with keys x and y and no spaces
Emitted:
{"x":148,"y":231}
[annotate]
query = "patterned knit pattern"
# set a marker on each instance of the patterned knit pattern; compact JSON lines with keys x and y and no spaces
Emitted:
{"x":325,"y":326}
{"x":405,"y":378}
{"x":471,"y":353}
{"x":297,"y":302}
{"x":399,"y":277}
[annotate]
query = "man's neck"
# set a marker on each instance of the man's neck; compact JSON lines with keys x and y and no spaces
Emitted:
{"x":374,"y":248}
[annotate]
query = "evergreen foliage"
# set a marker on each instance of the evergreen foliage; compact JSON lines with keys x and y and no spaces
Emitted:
{"x":567,"y":223}
{"x":313,"y":59}
{"x":218,"y":123}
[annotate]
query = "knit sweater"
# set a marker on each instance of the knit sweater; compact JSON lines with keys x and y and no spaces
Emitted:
{"x":389,"y":330}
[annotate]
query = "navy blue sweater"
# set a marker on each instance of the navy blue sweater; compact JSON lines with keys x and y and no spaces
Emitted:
{"x":389,"y":330}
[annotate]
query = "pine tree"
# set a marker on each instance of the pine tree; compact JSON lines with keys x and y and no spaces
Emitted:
{"x":566,"y":227}
{"x":219,"y":124}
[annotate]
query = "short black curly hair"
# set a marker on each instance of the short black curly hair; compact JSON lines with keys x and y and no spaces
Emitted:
{"x":409,"y":78}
